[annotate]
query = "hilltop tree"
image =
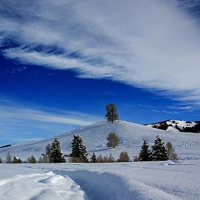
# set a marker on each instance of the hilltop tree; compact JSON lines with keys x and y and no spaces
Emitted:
{"x":113,"y":140}
{"x":111,"y":114}
{"x":171,"y":154}
{"x":158,"y":150}
{"x":79,"y":152}
{"x":145,"y":153}
{"x":55,"y":153}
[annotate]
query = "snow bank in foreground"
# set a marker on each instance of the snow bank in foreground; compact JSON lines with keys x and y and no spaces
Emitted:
{"x":45,"y":186}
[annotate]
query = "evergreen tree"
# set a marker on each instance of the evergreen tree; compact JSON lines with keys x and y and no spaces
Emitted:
{"x":123,"y":157}
{"x":16,"y":160}
{"x":145,"y":153}
{"x":171,"y":154}
{"x":0,"y":160}
{"x":40,"y":160}
{"x":93,"y":158}
{"x":113,"y":140}
{"x":107,"y":159}
{"x":158,"y":150}
{"x":79,"y":152}
{"x":8,"y":158}
{"x":47,"y":150}
{"x":31,"y":159}
{"x":55,"y":154}
{"x":100,"y":159}
{"x":111,"y":114}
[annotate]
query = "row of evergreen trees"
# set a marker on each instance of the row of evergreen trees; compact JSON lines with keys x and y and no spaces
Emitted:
{"x":53,"y":153}
{"x":15,"y":159}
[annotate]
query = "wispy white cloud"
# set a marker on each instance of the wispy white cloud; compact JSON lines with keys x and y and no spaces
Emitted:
{"x":67,"y":117}
{"x":148,"y":44}
{"x":17,"y":122}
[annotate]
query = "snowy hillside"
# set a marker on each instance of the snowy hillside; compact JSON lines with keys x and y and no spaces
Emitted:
{"x":177,"y":125}
{"x":131,"y":136}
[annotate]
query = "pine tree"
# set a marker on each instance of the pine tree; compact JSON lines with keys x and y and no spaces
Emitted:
{"x":16,"y":160}
{"x":55,"y":154}
{"x":171,"y":154}
{"x":111,"y":114}
{"x":8,"y":158}
{"x":145,"y":153}
{"x":79,"y":152}
{"x":123,"y":157}
{"x":31,"y":159}
{"x":113,"y":140}
{"x":100,"y":159}
{"x":93,"y":158}
{"x":107,"y":159}
{"x":40,"y":160}
{"x":158,"y":150}
{"x":48,"y":149}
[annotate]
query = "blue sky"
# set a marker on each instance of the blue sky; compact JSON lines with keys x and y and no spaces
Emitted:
{"x":62,"y":62}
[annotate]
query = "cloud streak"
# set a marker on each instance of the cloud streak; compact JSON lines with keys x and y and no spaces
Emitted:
{"x":148,"y":44}
{"x":18,"y":123}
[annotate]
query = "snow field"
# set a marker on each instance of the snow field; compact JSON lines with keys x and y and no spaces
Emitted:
{"x":109,"y":181}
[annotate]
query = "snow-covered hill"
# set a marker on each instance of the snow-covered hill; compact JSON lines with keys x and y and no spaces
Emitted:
{"x":102,"y":181}
{"x":177,"y":125}
{"x":131,"y":136}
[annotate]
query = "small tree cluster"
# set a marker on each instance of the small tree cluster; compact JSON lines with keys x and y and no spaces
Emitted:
{"x":159,"y":151}
{"x":105,"y":159}
{"x":79,"y":152}
{"x":16,"y":160}
{"x":113,"y":140}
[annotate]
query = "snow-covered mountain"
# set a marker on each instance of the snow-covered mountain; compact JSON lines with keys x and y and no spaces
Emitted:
{"x":94,"y":136}
{"x":177,"y":125}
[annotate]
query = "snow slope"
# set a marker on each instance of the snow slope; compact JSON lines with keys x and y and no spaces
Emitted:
{"x":131,"y":136}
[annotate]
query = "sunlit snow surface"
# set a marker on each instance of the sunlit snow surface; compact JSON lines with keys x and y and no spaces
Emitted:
{"x":117,"y":181}
{"x":106,"y":181}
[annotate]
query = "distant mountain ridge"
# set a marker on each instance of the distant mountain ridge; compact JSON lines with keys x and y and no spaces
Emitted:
{"x":178,"y":125}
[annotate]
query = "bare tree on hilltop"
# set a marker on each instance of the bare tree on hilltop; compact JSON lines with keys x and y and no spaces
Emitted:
{"x":111,"y":114}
